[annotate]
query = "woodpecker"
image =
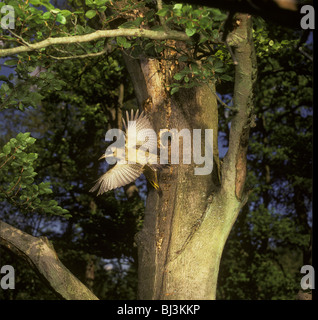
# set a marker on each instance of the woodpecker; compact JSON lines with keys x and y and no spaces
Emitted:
{"x":138,"y":128}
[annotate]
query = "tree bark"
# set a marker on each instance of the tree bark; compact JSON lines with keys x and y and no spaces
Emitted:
{"x":41,"y":256}
{"x":184,"y":232}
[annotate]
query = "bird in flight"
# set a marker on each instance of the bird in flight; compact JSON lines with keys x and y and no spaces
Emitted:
{"x":137,"y":129}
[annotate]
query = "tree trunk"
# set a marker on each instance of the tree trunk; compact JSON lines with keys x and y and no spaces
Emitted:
{"x":185,"y":229}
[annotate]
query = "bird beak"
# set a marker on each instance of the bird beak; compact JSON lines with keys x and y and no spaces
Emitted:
{"x":102,"y":157}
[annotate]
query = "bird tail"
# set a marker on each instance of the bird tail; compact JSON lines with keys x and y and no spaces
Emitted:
{"x":151,"y":173}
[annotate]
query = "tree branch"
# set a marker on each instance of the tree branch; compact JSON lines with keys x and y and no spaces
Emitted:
{"x":40,"y":254}
{"x":143,"y":33}
{"x":223,"y":104}
{"x":234,"y":164}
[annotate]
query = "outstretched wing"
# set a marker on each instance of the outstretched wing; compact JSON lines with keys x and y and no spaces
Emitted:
{"x":140,"y":130}
{"x":142,"y":120}
{"x":118,"y":176}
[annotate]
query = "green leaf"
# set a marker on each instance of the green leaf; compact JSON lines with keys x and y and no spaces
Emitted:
{"x":178,"y":76}
{"x":46,"y":15}
{"x":190,"y":31}
{"x":35,"y":2}
{"x":122,"y":41}
{"x":159,"y":49}
{"x":205,"y":22}
{"x":177,"y":6}
{"x":5,"y":87}
{"x":35,"y":98}
{"x":163,"y":12}
{"x":226,"y":77}
{"x":13,"y":142}
{"x":100,"y":2}
{"x":66,"y":13}
{"x":91,"y":14}
{"x":30,"y":140}
{"x":174,"y":90}
{"x":102,"y":9}
{"x":61,"y":19}
{"x":217,"y":14}
{"x":217,"y":64}
{"x":11,"y":62}
{"x":127,"y":25}
{"x":137,"y":22}
{"x":45,"y":190}
{"x":31,"y":157}
{"x":22,"y":136}
{"x":149,"y":45}
{"x":6,"y":149}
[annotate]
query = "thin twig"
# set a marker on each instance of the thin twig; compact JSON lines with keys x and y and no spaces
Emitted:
{"x":221,"y":102}
{"x":231,"y":53}
{"x":305,"y":54}
{"x":81,"y":56}
{"x":15,"y":149}
{"x":20,"y":38}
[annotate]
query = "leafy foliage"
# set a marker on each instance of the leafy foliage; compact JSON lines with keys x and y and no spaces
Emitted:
{"x":17,"y":177}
